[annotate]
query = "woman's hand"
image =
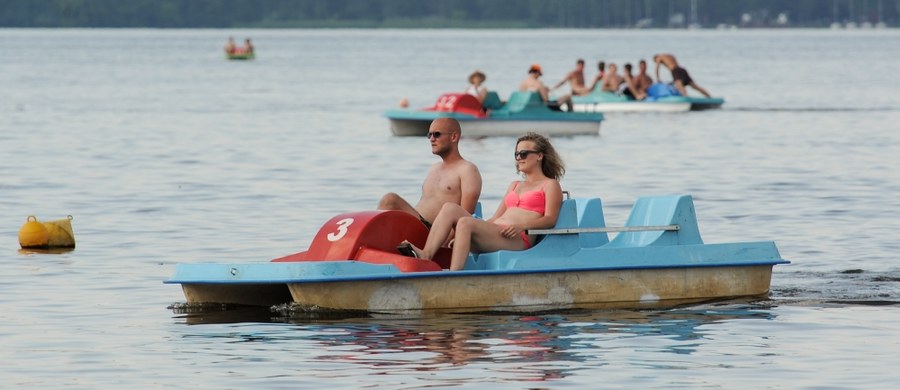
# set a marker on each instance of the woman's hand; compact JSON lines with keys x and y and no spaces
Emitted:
{"x":511,"y":231}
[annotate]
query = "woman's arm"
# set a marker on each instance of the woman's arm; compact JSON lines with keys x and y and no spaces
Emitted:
{"x":553,"y":201}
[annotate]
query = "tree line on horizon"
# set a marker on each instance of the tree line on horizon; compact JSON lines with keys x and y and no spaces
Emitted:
{"x":445,"y":13}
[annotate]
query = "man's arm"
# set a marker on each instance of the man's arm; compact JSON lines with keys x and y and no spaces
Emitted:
{"x":470,"y":188}
{"x":657,"y":71}
{"x":545,"y":93}
{"x":560,"y":84}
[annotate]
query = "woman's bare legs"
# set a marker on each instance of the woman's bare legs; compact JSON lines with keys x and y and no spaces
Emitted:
{"x":440,"y":229}
{"x":480,"y":236}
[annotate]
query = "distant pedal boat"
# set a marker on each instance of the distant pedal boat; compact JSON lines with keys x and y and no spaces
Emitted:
{"x":657,"y":260}
{"x":240,"y":55}
{"x":663,"y":98}
{"x":523,"y":112}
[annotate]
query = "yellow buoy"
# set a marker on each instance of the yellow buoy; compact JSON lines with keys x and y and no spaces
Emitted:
{"x":60,"y":231}
{"x":33,"y":234}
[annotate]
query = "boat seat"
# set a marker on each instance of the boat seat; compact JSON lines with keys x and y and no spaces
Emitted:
{"x":660,"y":211}
{"x":518,"y":101}
{"x":573,"y":213}
{"x":492,"y":101}
{"x":660,"y":90}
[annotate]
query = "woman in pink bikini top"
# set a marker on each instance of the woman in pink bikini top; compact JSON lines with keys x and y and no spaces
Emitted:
{"x":532,"y":203}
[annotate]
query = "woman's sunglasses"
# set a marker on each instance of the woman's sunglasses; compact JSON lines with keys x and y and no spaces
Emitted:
{"x":523,"y":154}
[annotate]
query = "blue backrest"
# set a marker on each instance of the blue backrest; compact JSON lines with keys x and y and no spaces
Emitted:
{"x":660,"y":211}
{"x":492,"y":101}
{"x":573,"y":213}
{"x":518,"y":101}
{"x":590,"y":215}
{"x":478,"y":214}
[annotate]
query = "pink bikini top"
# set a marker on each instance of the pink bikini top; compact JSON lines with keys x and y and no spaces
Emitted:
{"x":534,"y":200}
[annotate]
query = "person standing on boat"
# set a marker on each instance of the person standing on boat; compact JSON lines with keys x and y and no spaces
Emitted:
{"x":476,"y":79}
{"x":532,"y":83}
{"x":680,"y":76}
{"x":575,"y":78}
{"x":230,"y":46}
{"x":453,"y":180}
{"x":532,"y":203}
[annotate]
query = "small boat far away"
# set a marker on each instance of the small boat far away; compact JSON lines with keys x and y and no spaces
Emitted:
{"x":239,"y":55}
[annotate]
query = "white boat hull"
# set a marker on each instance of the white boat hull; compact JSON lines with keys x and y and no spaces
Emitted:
{"x":494,"y":128}
{"x":633,"y":107}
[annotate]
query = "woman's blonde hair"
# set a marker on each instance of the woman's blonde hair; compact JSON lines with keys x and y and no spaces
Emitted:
{"x":552,"y":165}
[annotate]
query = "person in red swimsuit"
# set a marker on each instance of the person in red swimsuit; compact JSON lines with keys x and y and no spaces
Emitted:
{"x":532,"y":203}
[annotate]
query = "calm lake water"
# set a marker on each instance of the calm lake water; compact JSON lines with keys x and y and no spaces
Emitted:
{"x":164,"y":153}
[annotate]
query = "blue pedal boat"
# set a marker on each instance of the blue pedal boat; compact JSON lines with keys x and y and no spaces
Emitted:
{"x":523,"y":112}
{"x":662,"y":98}
{"x":657,"y":260}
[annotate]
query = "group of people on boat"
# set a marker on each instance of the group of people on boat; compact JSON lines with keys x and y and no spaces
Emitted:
{"x":232,"y":49}
{"x":452,"y":187}
{"x":635,"y":86}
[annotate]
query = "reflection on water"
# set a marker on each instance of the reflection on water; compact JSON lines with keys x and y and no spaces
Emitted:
{"x":47,"y":251}
{"x":527,"y":347}
{"x":815,"y":109}
{"x":199,"y":314}
{"x":852,"y":286}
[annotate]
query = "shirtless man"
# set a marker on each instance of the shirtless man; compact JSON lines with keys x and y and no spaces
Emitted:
{"x":575,"y":78}
{"x":642,"y":81}
{"x":532,"y":83}
{"x":680,"y":76}
{"x":631,"y":90}
{"x":453,"y":179}
{"x":611,"y":80}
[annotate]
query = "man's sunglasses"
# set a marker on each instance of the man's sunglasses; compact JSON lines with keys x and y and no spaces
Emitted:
{"x":523,"y":154}
{"x":434,"y":134}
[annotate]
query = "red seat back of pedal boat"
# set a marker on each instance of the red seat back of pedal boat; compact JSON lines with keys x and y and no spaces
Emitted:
{"x":368,"y":236}
{"x":459,"y":103}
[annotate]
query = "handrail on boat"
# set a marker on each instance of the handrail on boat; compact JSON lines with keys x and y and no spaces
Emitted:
{"x":610,"y":229}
